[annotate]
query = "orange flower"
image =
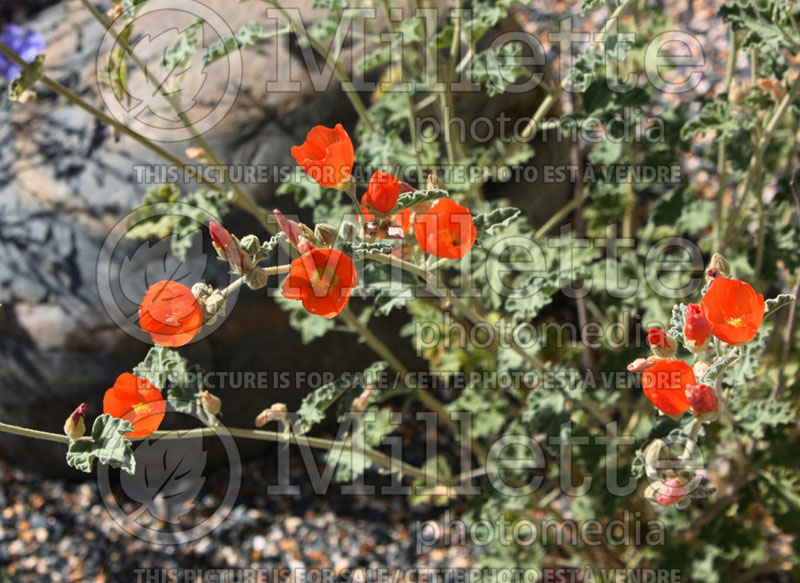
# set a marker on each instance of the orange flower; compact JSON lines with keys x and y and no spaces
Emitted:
{"x":170,"y":312}
{"x":733,"y":309}
{"x":326,"y":156}
{"x":382,"y":192}
{"x":446,"y":230}
{"x":323,"y":280}
{"x":136,"y":400}
{"x":665,"y":383}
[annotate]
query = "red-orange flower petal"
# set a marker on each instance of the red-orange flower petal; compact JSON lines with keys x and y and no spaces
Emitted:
{"x":170,"y":312}
{"x":733,"y":310}
{"x":696,"y":329}
{"x":323,"y":280}
{"x":665,"y":382}
{"x":326,"y":156}
{"x":382,"y":192}
{"x":136,"y":400}
{"x":445,"y":230}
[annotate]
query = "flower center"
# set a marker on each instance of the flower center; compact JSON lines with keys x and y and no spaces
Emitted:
{"x":324,"y":278}
{"x":141,"y":408}
{"x":736,"y":322}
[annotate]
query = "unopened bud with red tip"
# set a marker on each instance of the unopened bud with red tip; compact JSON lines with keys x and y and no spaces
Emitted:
{"x":211,"y":403}
{"x":360,"y":403}
{"x":702,"y":399}
{"x":662,"y":344}
{"x":75,"y":427}
{"x":435,"y":183}
{"x":696,"y":330}
{"x":228,"y":249}
{"x":276,"y":412}
{"x":670,"y":492}
{"x":717,"y":267}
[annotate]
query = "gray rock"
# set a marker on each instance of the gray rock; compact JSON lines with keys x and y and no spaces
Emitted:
{"x":66,"y":180}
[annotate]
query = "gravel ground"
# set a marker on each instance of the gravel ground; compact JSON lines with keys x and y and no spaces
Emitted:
{"x":59,"y":531}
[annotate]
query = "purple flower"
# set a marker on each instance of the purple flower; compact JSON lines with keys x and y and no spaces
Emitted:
{"x":25,"y":42}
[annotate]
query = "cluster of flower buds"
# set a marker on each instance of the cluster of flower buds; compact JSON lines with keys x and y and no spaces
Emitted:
{"x":276,"y":412}
{"x":211,"y":301}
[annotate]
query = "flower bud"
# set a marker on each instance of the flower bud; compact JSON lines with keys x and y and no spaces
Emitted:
{"x":26,"y":97}
{"x":201,"y":291}
{"x":700,"y":367}
{"x":74,"y":427}
{"x":642,"y":364}
{"x":717,"y":267}
{"x":115,"y":12}
{"x":211,"y":403}
{"x":213,"y":306}
{"x":325,"y":233}
{"x":291,"y":229}
{"x":697,"y":330}
{"x":773,"y":87}
{"x":256,"y":279}
{"x":662,"y":344}
{"x":435,"y":183}
{"x":360,"y":403}
{"x":275,"y":412}
{"x":737,"y":93}
{"x":250,"y":244}
{"x":228,"y":249}
{"x":198,"y":154}
{"x":702,"y":398}
{"x":670,"y":492}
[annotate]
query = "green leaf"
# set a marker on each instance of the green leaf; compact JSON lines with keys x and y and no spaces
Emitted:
{"x":267,"y":246}
{"x":27,"y":77}
{"x":165,"y":212}
{"x":720,"y":365}
{"x":194,"y":215}
{"x":167,"y":370}
{"x":302,"y":188}
{"x":371,"y":248}
{"x":489,"y":223}
{"x":677,"y":322}
{"x":774,"y":304}
{"x":107,"y":444}
{"x":248,"y":35}
{"x":312,"y":409}
{"x":767,"y":24}
{"x":755,"y":415}
{"x":143,"y":222}
{"x":588,"y":5}
{"x":308,"y":325}
{"x":410,"y":199}
{"x":177,"y":56}
{"x":498,"y":68}
{"x":717,"y":116}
